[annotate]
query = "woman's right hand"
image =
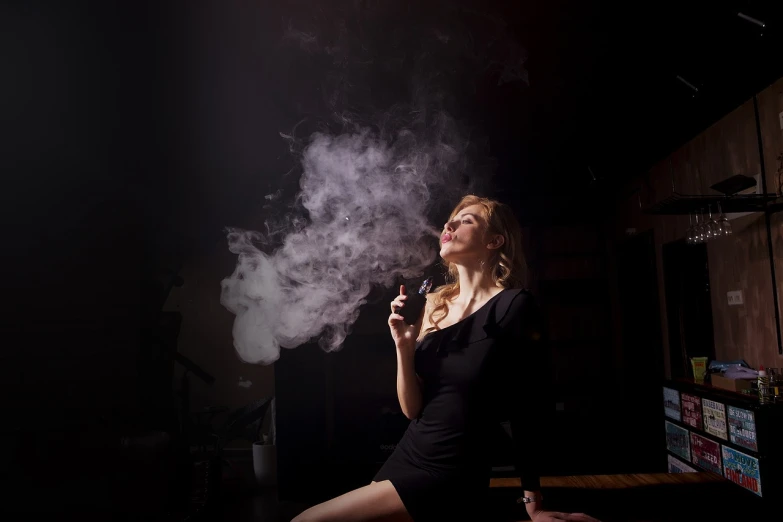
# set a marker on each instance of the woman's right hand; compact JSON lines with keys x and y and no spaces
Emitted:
{"x":404,"y":335}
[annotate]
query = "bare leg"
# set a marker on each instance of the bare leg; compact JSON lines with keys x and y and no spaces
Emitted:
{"x":376,"y":502}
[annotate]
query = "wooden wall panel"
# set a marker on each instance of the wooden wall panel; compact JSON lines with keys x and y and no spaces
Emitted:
{"x":770,"y":107}
{"x":770,"y":358}
{"x":770,"y":102}
{"x":726,"y":148}
{"x":740,"y":262}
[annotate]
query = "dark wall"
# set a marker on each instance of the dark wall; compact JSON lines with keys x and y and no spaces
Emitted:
{"x":82,"y":157}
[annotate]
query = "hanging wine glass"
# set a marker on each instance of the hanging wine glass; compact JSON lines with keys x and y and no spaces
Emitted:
{"x":702,"y":227}
{"x":689,"y":235}
{"x":709,"y":223}
{"x":715,"y":229}
{"x":725,"y":226}
{"x":697,"y":231}
{"x":719,"y":220}
{"x":707,"y":228}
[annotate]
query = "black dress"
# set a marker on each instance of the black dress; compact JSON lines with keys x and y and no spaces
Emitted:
{"x":487,"y":368}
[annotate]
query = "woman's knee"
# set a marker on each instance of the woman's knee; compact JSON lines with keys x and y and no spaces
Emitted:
{"x":376,"y":501}
{"x":305,"y":516}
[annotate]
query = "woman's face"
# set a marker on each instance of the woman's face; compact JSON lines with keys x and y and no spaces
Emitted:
{"x":463,"y":236}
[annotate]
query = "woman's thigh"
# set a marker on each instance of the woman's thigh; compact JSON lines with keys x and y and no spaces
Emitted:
{"x":377,"y":502}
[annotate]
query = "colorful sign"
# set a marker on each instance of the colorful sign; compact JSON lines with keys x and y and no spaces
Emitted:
{"x":706,"y":453}
{"x":691,"y":410}
{"x":714,"y":415}
{"x":671,"y":403}
{"x":742,"y":469}
{"x":678,"y":466}
{"x":677,"y":440}
{"x":742,"y":427}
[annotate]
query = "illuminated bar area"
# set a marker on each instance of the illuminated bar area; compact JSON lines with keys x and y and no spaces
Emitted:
{"x":728,"y":433}
{"x":710,"y":212}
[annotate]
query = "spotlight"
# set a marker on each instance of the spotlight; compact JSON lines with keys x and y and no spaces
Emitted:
{"x":752,"y":20}
{"x":690,"y":85}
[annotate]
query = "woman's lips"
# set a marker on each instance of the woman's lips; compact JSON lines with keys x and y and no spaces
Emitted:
{"x":446,"y":238}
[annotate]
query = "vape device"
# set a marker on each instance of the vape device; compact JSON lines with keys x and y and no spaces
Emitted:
{"x":414,"y":304}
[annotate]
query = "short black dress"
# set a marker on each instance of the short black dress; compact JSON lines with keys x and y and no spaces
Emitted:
{"x":476,"y":373}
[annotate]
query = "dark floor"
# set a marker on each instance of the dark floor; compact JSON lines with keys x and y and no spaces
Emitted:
{"x":145,"y":496}
{"x":262,"y":506}
{"x":711,"y":503}
{"x":720,"y":501}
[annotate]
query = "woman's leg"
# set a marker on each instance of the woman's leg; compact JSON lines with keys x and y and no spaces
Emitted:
{"x":376,"y":502}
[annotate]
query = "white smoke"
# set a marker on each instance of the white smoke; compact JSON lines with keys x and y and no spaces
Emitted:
{"x":370,"y":181}
{"x":367,"y":226}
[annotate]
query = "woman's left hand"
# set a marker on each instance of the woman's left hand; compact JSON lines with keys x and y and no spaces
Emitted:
{"x":555,"y":516}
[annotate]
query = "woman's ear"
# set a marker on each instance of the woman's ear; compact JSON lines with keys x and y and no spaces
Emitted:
{"x":496,"y":241}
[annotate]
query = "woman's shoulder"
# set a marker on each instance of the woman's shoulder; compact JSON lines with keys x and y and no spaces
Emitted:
{"x":518,"y":295}
{"x":514,"y":302}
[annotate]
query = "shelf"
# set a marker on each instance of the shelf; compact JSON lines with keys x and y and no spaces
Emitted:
{"x":680,"y":204}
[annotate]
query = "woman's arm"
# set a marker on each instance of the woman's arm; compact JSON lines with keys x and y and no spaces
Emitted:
{"x":408,"y":382}
{"x":408,"y":386}
{"x":531,"y":401}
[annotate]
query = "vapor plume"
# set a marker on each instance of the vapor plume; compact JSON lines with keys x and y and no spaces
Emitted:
{"x":380,"y":159}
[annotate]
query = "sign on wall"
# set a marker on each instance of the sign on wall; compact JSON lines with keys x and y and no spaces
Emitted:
{"x":678,"y":466}
{"x":677,"y":440}
{"x":714,"y":414}
{"x":706,"y":453}
{"x":742,"y":427}
{"x":671,"y":403}
{"x":742,"y":469}
{"x":691,"y":410}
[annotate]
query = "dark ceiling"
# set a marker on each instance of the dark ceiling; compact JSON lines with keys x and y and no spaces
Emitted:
{"x":610,"y":81}
{"x":156,"y":118}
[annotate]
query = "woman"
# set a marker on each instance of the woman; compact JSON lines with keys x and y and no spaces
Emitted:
{"x":474,"y":358}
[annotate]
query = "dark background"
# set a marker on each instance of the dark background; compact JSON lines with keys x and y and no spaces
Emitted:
{"x":135,"y":132}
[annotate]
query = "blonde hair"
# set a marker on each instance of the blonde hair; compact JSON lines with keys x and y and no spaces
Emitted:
{"x":507,"y":264}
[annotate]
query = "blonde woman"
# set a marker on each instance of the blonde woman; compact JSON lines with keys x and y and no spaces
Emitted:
{"x":475,"y":357}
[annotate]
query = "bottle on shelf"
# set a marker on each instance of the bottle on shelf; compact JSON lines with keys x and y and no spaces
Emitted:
{"x":763,"y":384}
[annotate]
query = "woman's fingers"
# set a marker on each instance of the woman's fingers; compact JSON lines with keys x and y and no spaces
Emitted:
{"x":398,"y":302}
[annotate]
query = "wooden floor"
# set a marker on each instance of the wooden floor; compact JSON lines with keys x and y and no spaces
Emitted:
{"x":635,"y":480}
{"x":656,"y":497}
{"x":649,"y":497}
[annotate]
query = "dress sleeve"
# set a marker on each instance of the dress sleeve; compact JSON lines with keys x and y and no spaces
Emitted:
{"x":529,"y":392}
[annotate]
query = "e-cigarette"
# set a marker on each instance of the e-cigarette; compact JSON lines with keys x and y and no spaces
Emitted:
{"x":414,"y":304}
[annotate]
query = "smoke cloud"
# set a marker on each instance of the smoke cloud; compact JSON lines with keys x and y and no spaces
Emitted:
{"x":373,"y":175}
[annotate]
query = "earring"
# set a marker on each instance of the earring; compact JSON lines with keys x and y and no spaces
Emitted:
{"x":482,"y":264}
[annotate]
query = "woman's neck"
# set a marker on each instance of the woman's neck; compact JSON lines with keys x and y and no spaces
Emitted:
{"x":475,"y":286}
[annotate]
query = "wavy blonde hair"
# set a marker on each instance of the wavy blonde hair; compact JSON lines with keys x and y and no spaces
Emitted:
{"x":507,"y":264}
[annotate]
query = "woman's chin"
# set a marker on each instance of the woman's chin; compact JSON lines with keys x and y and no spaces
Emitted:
{"x":447,"y":255}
